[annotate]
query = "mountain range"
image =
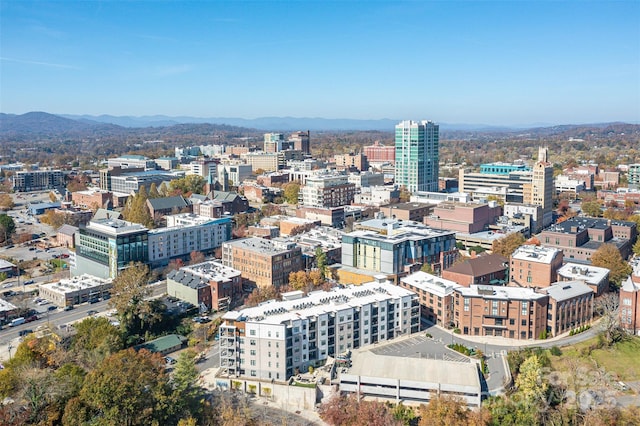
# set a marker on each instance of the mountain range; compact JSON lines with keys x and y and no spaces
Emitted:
{"x":48,"y":125}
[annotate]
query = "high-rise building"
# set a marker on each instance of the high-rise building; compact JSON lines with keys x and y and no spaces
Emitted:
{"x":540,"y":191}
{"x":273,"y":142}
{"x":634,"y":175}
{"x":417,"y":154}
{"x":301,"y":142}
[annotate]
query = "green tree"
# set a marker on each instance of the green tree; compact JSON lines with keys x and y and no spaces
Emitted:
{"x":95,"y":339}
{"x":592,"y":208}
{"x":321,"y":262}
{"x":608,"y":256}
{"x":193,"y":184}
{"x":185,"y":384}
{"x":507,"y":245}
{"x":136,"y":209}
{"x":291,"y":191}
{"x":636,"y":248}
{"x":7,"y":227}
{"x":426,"y":267}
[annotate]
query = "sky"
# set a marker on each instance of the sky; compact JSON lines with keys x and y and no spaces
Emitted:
{"x":490,"y":62}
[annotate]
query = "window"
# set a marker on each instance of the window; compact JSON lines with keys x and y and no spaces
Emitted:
{"x":252,"y":342}
{"x":253,"y":363}
{"x":626,"y":301}
{"x":524,"y":322}
{"x":466,"y":304}
{"x":525,"y":307}
{"x":252,"y":352}
{"x":252,"y":332}
{"x":253,"y":373}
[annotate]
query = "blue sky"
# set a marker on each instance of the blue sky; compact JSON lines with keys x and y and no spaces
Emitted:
{"x":501,"y":62}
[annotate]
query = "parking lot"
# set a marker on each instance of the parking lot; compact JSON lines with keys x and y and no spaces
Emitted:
{"x":420,"y":347}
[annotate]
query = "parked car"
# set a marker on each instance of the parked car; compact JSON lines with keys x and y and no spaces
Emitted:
{"x":170,"y":360}
{"x":52,"y":308}
{"x":29,"y":282}
{"x":68,"y":308}
{"x":91,"y":313}
{"x":25,"y":332}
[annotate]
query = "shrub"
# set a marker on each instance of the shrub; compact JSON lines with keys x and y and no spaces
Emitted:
{"x":456,"y":330}
{"x":555,"y":351}
{"x":428,"y":335}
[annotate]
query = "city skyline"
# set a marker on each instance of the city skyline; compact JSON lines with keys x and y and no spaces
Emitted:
{"x":496,"y":63}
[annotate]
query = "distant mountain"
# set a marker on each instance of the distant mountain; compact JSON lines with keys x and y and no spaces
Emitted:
{"x":42,"y":123}
{"x":274,"y":123}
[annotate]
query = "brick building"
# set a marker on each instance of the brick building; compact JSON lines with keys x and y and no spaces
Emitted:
{"x":630,"y":301}
{"x":595,"y":277}
{"x":489,"y":269}
{"x":407,"y":211}
{"x":436,"y":296}
{"x":580,"y":237}
{"x":463,"y":217}
{"x":378,"y":153}
{"x":533,"y":266}
{"x":570,"y":306}
{"x":516,"y":313}
{"x":262,"y":262}
{"x":91,"y":199}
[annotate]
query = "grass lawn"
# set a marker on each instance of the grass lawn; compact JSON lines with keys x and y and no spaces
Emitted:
{"x":57,"y":263}
{"x":621,"y":360}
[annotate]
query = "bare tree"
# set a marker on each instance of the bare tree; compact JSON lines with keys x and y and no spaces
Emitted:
{"x":606,"y":307}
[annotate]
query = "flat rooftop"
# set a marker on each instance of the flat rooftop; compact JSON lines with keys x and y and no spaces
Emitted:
{"x":587,"y":273}
{"x":431,"y":283}
{"x":499,"y":292}
{"x":80,"y":282}
{"x":459,"y":374}
{"x":533,"y":253}
{"x":260,"y":245}
{"x":115,"y":226}
{"x":567,"y":290}
{"x":212,"y":271}
{"x":318,"y":303}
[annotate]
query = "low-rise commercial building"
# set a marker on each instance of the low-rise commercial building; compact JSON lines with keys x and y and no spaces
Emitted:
{"x":463,"y":217}
{"x":275,"y":340}
{"x":209,"y":284}
{"x":75,"y":290}
{"x":415,"y":212}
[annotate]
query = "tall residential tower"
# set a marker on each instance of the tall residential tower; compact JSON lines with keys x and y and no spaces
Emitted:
{"x":417,"y":154}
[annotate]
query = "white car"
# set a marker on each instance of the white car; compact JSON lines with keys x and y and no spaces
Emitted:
{"x":43,"y":302}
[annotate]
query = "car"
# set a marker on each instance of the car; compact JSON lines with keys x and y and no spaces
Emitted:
{"x":170,"y":360}
{"x":92,"y":312}
{"x":32,"y":248}
{"x":43,"y":302}
{"x":7,"y":285}
{"x":52,"y":308}
{"x":29,"y":282}
{"x":64,"y":256}
{"x":68,"y":308}
{"x":25,"y":332}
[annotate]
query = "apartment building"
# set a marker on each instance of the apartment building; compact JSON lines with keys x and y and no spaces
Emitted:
{"x":186,"y":233}
{"x":132,"y":182}
{"x":262,"y":262}
{"x":595,"y":277}
{"x":516,"y":313}
{"x":209,"y":284}
{"x":37,"y":180}
{"x":570,"y":306}
{"x":276,"y":340}
{"x":378,"y":153}
{"x":366,"y":179}
{"x":377,"y":196}
{"x":525,"y":214}
{"x":327,"y":190}
{"x":132,"y":162}
{"x":435,"y":295}
{"x":351,"y":161}
{"x":394,"y":247}
{"x":534,"y":266}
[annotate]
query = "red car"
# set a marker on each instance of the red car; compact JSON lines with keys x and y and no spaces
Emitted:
{"x":31,"y":318}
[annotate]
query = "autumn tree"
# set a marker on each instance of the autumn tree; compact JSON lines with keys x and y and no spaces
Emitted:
{"x":608,"y":256}
{"x":261,"y":294}
{"x":507,"y":245}
{"x":291,"y":191}
{"x":196,"y":257}
{"x":136,"y":209}
{"x":636,"y":248}
{"x":6,"y":202}
{"x":95,"y":339}
{"x":447,"y":410}
{"x":529,"y":382}
{"x":349,"y":410}
{"x":128,"y":388}
{"x":153,"y":191}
